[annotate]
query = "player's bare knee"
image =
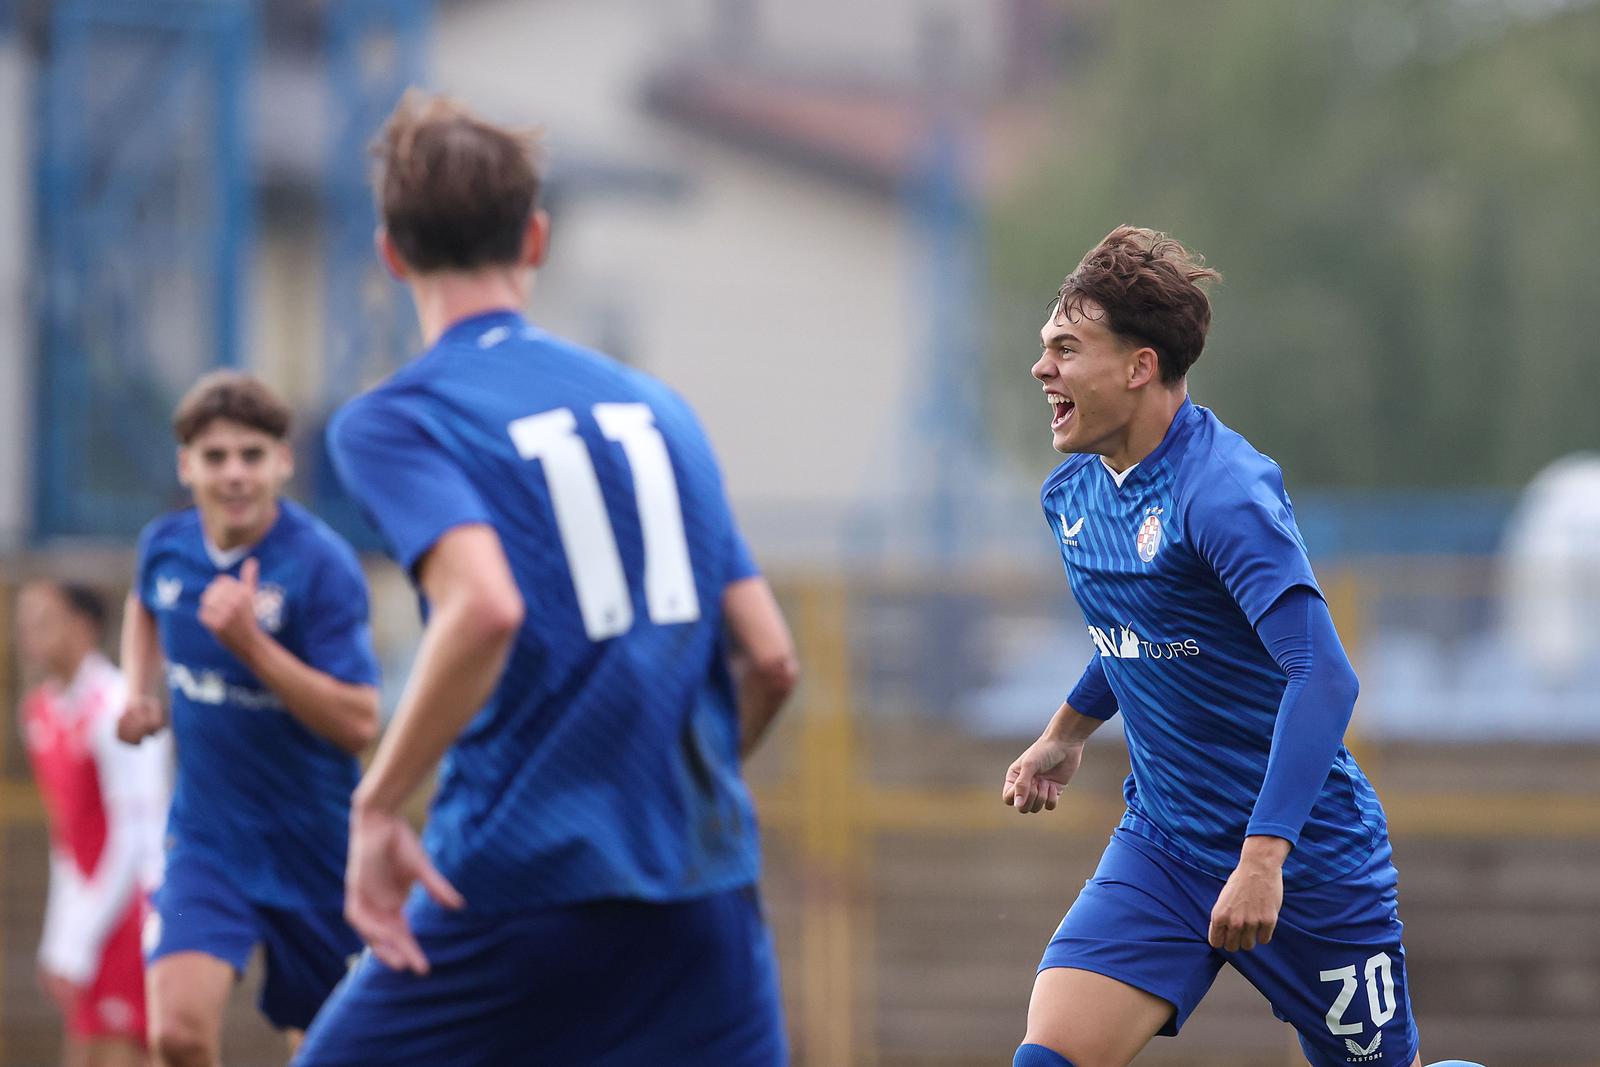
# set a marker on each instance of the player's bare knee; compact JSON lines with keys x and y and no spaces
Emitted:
{"x":182,"y":1042}
{"x":1080,"y":1045}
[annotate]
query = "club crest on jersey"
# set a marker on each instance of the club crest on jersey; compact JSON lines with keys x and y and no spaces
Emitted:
{"x":1149,"y":540}
{"x":269,"y":607}
{"x":167,"y":591}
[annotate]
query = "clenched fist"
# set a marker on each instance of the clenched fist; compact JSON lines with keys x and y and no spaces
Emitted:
{"x":228,"y":608}
{"x":142,"y":717}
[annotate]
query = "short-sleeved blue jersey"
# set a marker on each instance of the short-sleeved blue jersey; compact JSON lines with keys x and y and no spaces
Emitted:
{"x":605,"y":763}
{"x":1172,"y":569}
{"x":263,"y":797}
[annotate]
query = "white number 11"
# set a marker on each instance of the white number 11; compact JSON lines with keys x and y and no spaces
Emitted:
{"x":551,"y":437}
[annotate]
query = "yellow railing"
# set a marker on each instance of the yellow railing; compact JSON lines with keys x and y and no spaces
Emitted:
{"x":821,"y":798}
{"x":827,"y":803}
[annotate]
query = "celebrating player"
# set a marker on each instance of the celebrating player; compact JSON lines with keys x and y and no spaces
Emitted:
{"x":261,"y":613}
{"x":1251,"y":835}
{"x":591,"y":856}
{"x":107,"y":805}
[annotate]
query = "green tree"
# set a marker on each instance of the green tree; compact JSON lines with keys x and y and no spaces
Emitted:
{"x":1402,"y":198}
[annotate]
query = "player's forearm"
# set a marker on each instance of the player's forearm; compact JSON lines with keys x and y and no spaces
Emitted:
{"x":340,"y":712}
{"x":1070,"y":725}
{"x":458,"y":665}
{"x":763,"y":688}
{"x":762,"y":657}
{"x":1265,"y":851}
{"x":140,"y":649}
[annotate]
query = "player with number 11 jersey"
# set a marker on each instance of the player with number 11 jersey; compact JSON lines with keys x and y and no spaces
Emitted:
{"x":600,"y":651}
{"x":566,"y":454}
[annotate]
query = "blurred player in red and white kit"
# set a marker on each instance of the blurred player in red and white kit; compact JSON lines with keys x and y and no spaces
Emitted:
{"x":107,"y":807}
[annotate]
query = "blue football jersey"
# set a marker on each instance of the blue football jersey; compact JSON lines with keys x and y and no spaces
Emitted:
{"x":261,"y":796}
{"x":1172,"y":568}
{"x":605,"y":763}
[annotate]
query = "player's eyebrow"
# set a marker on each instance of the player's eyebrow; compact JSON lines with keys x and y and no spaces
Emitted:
{"x":1060,"y":336}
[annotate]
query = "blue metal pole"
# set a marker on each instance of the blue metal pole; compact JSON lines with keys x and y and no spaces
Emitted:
{"x":144,"y":181}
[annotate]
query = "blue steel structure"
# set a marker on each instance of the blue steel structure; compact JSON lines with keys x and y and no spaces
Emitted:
{"x":945,"y":214}
{"x":146,"y":195}
{"x":144,"y":228}
{"x":947,"y":223}
{"x":374,"y":51}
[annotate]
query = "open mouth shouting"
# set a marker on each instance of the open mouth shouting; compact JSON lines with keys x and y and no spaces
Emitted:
{"x":1061,"y":407}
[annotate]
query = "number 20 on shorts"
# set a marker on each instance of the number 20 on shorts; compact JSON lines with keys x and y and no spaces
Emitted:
{"x":1380,"y":994}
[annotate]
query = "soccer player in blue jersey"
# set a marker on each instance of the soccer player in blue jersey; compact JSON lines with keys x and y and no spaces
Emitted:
{"x":259,"y":613}
{"x":1251,"y":836}
{"x":599,"y":651}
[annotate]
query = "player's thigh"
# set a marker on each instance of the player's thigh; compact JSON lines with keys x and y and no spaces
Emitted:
{"x":1347,"y":997}
{"x":691,"y":982}
{"x":307,"y":953}
{"x":198,"y":911}
{"x":1140,"y":923}
{"x":468,"y":1011}
{"x":188,"y":992}
{"x":1093,"y":1020}
{"x":608,"y":982}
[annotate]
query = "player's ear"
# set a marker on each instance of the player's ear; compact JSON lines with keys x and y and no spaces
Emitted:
{"x":389,"y":255}
{"x":184,"y":477}
{"x":286,"y":457}
{"x":1144,"y":367}
{"x":536,"y":239}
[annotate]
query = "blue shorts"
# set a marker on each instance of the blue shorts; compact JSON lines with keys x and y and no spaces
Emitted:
{"x":611,"y":983}
{"x":199,"y":909}
{"x":1335,"y":969}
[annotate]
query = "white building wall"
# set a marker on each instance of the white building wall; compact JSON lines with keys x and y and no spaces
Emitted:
{"x":285,"y":341}
{"x":885,"y":40}
{"x":776,"y":301}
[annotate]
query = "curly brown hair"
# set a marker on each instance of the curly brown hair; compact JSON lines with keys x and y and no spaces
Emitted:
{"x":454,"y":192}
{"x":236,"y":397}
{"x":1147,"y":289}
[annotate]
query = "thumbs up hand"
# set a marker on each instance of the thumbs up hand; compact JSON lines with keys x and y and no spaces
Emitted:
{"x":228,"y":608}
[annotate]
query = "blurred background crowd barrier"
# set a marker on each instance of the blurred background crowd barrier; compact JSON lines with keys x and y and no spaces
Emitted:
{"x":836,"y":227}
{"x":910,"y":906}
